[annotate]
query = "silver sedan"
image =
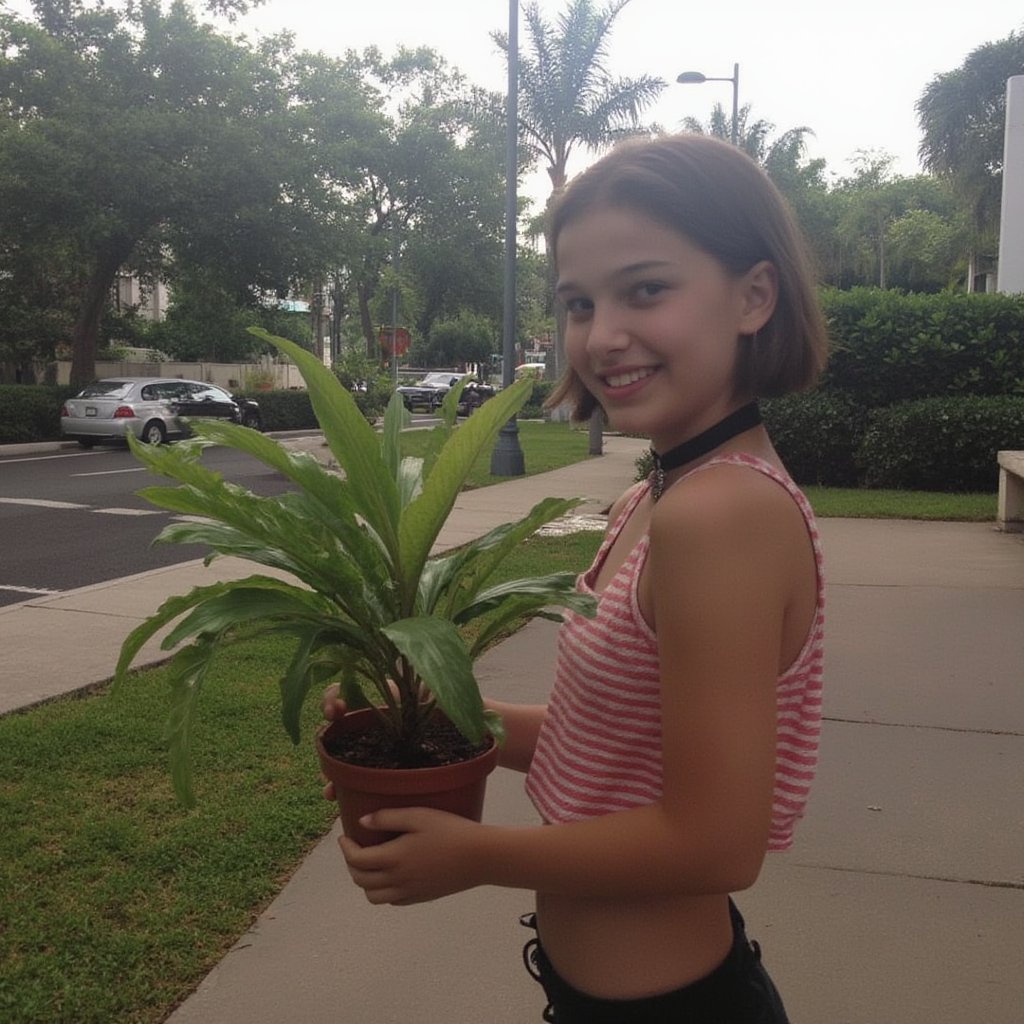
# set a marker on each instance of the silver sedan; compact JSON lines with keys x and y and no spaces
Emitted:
{"x":150,"y":408}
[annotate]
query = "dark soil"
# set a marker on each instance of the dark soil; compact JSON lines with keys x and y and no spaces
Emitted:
{"x":441,"y":744}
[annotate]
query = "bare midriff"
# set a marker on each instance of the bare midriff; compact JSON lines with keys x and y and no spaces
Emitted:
{"x":629,"y":949}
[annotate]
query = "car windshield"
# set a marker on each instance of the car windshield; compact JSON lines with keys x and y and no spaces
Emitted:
{"x":439,"y":378}
{"x":105,"y":389}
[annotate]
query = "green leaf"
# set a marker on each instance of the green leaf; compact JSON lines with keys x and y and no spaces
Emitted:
{"x":422,"y":520}
{"x":439,"y":656}
{"x":187,"y":671}
{"x":396,"y":419}
{"x":352,"y":441}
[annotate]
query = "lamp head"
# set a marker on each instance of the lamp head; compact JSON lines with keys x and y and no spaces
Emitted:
{"x":691,"y":78}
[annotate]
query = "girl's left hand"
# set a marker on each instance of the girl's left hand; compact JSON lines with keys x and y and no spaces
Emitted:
{"x":438,"y":854}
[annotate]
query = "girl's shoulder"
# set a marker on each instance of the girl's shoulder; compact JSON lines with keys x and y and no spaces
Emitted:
{"x":626,"y":501}
{"x":729,"y":494}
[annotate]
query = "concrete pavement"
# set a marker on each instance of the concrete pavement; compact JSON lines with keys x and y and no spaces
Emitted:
{"x":902,"y":901}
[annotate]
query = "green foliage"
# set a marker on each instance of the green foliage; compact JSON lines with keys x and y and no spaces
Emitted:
{"x":467,"y":337}
{"x":373,"y":604}
{"x":941,"y":444}
{"x":284,"y":410}
{"x":816,"y":434}
{"x":534,"y":408}
{"x":890,"y":347}
{"x":370,"y":386}
{"x":31,"y":412}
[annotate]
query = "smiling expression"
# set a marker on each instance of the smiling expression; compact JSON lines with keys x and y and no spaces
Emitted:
{"x":654,"y":322}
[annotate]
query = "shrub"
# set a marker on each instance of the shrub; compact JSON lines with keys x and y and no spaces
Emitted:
{"x":284,"y":410}
{"x":940,"y":444}
{"x":890,"y":347}
{"x":534,"y":408}
{"x":816,"y":434}
{"x":31,"y":412}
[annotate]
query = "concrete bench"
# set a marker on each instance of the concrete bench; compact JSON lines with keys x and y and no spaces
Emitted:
{"x":1010,"y":515}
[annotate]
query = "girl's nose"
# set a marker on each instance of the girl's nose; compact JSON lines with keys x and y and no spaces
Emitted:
{"x":608,"y":332}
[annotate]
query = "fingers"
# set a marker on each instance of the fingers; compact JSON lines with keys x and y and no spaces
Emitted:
{"x":332,"y":706}
{"x":328,"y":791}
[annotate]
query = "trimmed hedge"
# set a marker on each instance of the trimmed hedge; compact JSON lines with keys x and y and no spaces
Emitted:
{"x":284,"y":410}
{"x":890,"y":347}
{"x":940,"y":444}
{"x":817,"y":434}
{"x":31,"y":412}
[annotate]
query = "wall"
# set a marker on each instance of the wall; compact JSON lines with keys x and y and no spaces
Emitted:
{"x":227,"y":375}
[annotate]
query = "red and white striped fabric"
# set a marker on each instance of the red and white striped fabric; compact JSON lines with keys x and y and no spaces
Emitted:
{"x":599,"y":750}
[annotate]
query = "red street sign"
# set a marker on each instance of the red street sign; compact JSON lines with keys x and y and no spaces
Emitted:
{"x":403,"y":340}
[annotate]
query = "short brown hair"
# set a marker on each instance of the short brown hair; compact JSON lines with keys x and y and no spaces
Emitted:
{"x":719,"y":199}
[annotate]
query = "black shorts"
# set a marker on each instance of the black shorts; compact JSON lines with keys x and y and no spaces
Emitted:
{"x":738,"y":991}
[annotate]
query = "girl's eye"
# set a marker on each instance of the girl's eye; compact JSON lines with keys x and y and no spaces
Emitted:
{"x":648,"y":289}
{"x":578,"y":308}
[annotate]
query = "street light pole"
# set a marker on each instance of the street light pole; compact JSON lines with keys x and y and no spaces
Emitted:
{"x":507,"y":457}
{"x":697,"y":78}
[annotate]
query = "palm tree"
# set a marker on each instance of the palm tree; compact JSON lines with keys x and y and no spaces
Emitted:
{"x":962,"y":116}
{"x":568,"y":98}
{"x":783,"y":154}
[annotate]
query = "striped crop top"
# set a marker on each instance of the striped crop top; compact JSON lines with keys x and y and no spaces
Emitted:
{"x":599,"y":749}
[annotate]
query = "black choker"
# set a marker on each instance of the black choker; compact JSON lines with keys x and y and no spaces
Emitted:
{"x":737,"y":422}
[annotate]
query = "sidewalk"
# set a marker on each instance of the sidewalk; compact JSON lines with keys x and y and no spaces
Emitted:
{"x":901,"y":902}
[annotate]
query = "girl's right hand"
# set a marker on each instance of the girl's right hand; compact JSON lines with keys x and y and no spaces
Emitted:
{"x":333,"y":708}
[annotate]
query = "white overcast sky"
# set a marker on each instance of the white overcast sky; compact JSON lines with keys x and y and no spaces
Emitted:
{"x":849,"y":71}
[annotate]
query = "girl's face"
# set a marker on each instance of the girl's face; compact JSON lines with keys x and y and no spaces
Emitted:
{"x":654,"y":323}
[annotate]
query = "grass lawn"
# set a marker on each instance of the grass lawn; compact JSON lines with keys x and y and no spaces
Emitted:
{"x":546,"y":446}
{"x":114,"y":901}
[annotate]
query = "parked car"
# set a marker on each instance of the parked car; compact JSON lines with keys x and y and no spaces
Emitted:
{"x":151,"y":408}
{"x":474,"y":394}
{"x":429,"y":392}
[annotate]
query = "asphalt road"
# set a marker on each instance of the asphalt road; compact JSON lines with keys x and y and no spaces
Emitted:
{"x":70,"y":519}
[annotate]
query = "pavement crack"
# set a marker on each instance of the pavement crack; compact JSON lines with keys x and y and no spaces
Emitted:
{"x":951,"y":879}
{"x":914,"y":725}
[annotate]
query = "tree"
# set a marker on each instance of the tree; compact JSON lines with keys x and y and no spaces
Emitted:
{"x":568,"y":98}
{"x":415,"y":157}
{"x":141,"y":140}
{"x":465,"y":338}
{"x":962,"y":116}
{"x":880,"y":217}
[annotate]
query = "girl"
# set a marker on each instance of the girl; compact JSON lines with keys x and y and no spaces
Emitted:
{"x":681,"y":735}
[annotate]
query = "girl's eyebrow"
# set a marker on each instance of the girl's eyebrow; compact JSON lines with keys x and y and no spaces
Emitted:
{"x":640,"y":267}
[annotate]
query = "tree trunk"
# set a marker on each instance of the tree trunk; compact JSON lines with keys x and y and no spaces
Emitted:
{"x":87,"y":327}
{"x":596,"y":428}
{"x":365,"y":320}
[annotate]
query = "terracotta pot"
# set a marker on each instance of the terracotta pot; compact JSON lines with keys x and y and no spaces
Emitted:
{"x":457,"y":788}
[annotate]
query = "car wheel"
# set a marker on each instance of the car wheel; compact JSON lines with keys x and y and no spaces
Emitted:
{"x":251,"y":419}
{"x":85,"y":443}
{"x":153,"y":433}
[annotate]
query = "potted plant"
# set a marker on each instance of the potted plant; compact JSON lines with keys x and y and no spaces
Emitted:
{"x":368,"y":604}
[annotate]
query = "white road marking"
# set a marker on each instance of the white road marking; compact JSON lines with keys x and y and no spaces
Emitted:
{"x":46,"y":458}
{"x":128,"y":512}
{"x":41,"y":503}
{"x":111,"y":472}
{"x":29,"y":590}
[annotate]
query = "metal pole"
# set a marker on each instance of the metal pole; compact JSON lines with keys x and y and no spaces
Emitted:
{"x":735,"y":103}
{"x":394,"y":305}
{"x":507,"y":457}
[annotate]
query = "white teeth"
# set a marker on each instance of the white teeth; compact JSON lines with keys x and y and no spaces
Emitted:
{"x":620,"y":380}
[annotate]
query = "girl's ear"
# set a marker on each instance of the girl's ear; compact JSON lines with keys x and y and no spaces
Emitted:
{"x":759,"y":291}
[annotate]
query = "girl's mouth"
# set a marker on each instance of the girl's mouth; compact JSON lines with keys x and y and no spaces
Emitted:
{"x":626,"y":378}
